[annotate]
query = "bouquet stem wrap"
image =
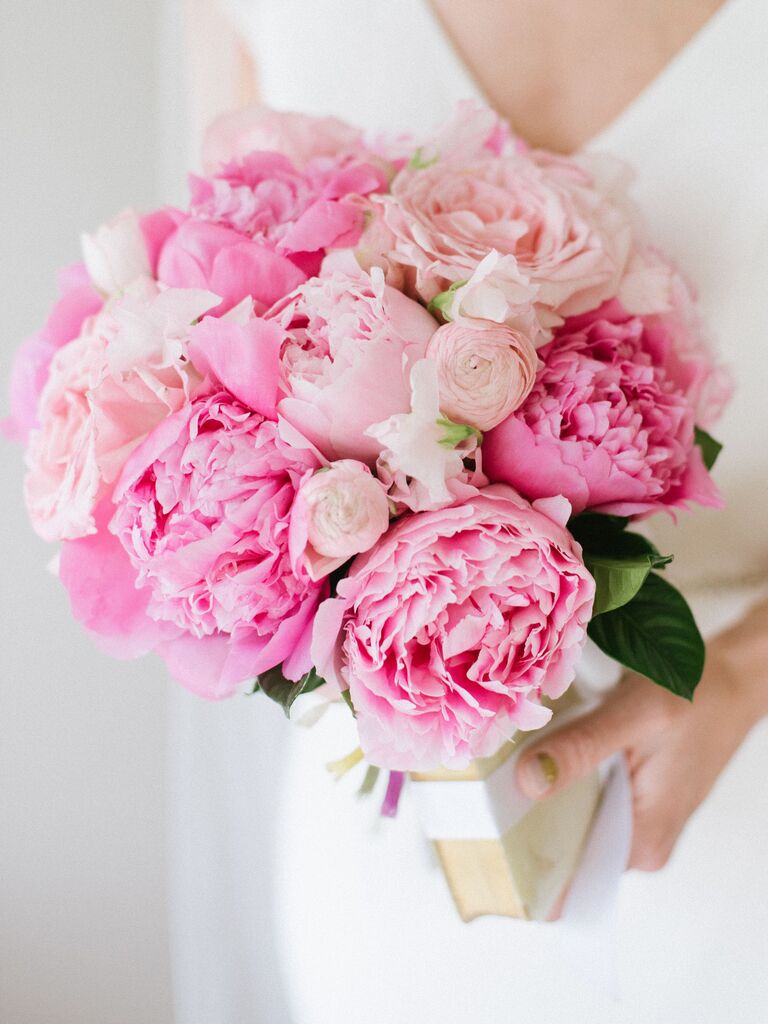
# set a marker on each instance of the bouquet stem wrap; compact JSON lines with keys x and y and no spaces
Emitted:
{"x":501,"y":853}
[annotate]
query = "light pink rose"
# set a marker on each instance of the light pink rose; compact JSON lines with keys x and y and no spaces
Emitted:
{"x":63,"y":483}
{"x":77,"y":301}
{"x":200,"y":254}
{"x":351,"y":342}
{"x":202,"y":509}
{"x":484,"y":370}
{"x":453,"y":627}
{"x":568,"y":238}
{"x":604,"y":425}
{"x":299,"y":137}
{"x":106,"y":390}
{"x":340,"y":511}
{"x":266,"y":197}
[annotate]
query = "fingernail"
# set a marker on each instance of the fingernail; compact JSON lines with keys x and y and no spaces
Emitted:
{"x":538,"y":774}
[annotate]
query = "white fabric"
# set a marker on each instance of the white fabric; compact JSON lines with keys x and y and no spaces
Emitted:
{"x":356,"y":910}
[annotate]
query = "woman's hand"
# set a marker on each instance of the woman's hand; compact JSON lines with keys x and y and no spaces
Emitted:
{"x":675,"y":749}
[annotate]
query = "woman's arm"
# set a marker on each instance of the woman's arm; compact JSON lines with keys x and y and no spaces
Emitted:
{"x":675,"y":750}
{"x":220,"y":72}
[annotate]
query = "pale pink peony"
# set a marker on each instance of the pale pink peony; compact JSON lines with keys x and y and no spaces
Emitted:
{"x":351,"y":342}
{"x":106,"y":390}
{"x":77,"y":301}
{"x":203,"y":509}
{"x":485,"y":371}
{"x":200,"y":254}
{"x":299,"y":137}
{"x":604,"y":425}
{"x":450,"y":631}
{"x":541,"y":214}
{"x":340,"y":511}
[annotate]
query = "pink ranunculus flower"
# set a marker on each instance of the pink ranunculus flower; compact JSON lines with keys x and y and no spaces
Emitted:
{"x":106,"y":390}
{"x":266,"y":197}
{"x":351,"y":342}
{"x":453,"y":627}
{"x":300,"y":137}
{"x":203,"y":509}
{"x":605,"y":425}
{"x":200,"y":254}
{"x":340,"y":511}
{"x":568,"y":238}
{"x":77,"y":301}
{"x":485,"y":371}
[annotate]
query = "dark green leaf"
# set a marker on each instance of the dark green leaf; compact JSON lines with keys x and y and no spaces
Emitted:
{"x":710,"y":448}
{"x":283,"y":691}
{"x":655,"y":635}
{"x":595,"y":531}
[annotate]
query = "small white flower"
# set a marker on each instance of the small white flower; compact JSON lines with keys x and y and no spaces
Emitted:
{"x":415,"y":442}
{"x":116,"y":253}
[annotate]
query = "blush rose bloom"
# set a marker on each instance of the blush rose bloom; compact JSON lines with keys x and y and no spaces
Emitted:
{"x":484,"y":370}
{"x":453,"y":627}
{"x":105,"y":391}
{"x":350,"y":344}
{"x":340,"y":511}
{"x":202,"y":508}
{"x":604,"y":425}
{"x":540,"y":214}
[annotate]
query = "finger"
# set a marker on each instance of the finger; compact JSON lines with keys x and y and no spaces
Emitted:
{"x":653,"y":840}
{"x":569,"y":753}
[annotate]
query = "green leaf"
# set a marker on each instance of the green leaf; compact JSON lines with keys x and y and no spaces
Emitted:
{"x":348,"y":701}
{"x":617,"y":580}
{"x":440,"y":304}
{"x":283,"y":691}
{"x":455,"y":434}
{"x":419,"y":162}
{"x":710,"y":448}
{"x":655,"y":635}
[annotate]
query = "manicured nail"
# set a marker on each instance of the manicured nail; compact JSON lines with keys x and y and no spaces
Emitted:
{"x":538,"y":774}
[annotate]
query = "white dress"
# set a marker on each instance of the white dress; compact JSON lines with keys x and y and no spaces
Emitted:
{"x":293,"y":901}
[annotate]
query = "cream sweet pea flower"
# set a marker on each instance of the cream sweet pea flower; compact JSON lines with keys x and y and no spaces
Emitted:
{"x":419,"y":444}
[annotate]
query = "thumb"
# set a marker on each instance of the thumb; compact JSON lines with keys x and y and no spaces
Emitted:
{"x":567,"y":754}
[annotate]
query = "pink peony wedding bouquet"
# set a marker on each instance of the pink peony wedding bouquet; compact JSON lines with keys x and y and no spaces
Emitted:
{"x":373,"y":415}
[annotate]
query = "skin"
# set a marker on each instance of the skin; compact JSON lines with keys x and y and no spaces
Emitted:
{"x":675,"y":749}
{"x":561,"y":71}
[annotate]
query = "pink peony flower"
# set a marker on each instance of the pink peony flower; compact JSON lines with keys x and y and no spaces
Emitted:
{"x":200,"y":254}
{"x":453,"y":627}
{"x":202,"y":509}
{"x":339,"y":512}
{"x":604,"y":425}
{"x":541,"y":214}
{"x":77,"y":302}
{"x":265,"y":197}
{"x":299,"y":137}
{"x":484,"y":370}
{"x":351,"y":342}
{"x":106,"y":390}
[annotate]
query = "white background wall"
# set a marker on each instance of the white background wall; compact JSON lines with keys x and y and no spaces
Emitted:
{"x":83,"y":933}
